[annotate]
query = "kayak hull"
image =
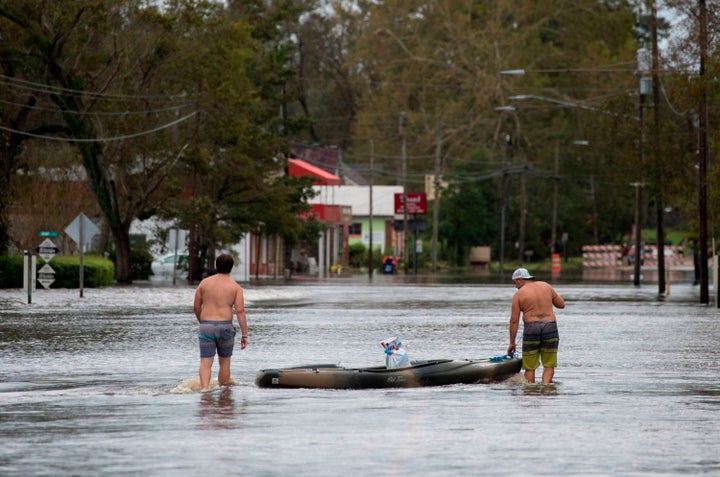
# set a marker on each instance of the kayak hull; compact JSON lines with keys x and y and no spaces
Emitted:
{"x":436,"y":372}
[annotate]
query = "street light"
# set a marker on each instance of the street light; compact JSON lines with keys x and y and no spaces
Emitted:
{"x":503,"y":199}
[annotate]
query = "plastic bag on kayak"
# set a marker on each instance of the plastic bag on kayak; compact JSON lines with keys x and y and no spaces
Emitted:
{"x":395,"y":354}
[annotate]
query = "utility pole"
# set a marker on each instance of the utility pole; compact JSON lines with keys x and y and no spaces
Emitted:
{"x":403,"y":154}
{"x":643,"y":68}
{"x":659,"y":205}
{"x":370,"y":215}
{"x":702,"y":159}
{"x":503,"y":205}
{"x":436,"y":202}
{"x":556,"y":179}
{"x":523,"y":208}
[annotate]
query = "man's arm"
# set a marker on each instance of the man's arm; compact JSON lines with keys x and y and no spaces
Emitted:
{"x":197,"y":304}
{"x":557,"y":300}
{"x":241,"y":317}
{"x":514,"y":323}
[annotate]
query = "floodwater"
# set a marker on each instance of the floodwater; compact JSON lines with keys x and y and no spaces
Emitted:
{"x":103,"y":385}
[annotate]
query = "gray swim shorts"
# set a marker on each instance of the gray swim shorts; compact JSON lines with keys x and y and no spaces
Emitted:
{"x":216,"y":337}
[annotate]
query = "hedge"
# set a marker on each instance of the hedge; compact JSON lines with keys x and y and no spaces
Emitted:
{"x":11,"y":271}
{"x":97,"y":271}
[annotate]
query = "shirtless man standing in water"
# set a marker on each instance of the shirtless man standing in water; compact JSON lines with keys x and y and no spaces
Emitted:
{"x":214,"y":300}
{"x":535,"y":300}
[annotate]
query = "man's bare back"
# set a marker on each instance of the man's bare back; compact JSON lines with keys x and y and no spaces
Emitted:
{"x":215,"y":297}
{"x":535,"y":300}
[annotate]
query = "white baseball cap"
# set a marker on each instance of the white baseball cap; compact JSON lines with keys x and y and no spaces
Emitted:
{"x":522,"y":273}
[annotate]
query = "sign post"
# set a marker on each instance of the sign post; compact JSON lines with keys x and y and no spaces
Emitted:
{"x":29,"y":274}
{"x":416,"y":204}
{"x":78,"y":230}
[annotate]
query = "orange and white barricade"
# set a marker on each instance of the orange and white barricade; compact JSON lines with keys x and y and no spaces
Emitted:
{"x":596,"y":256}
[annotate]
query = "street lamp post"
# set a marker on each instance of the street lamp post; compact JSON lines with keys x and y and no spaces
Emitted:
{"x":503,"y":196}
{"x":556,"y":179}
{"x":503,"y":208}
{"x":645,"y":81}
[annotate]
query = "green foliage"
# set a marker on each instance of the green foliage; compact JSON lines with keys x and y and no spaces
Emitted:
{"x":11,"y":271}
{"x":140,"y":260}
{"x":468,"y":212}
{"x":97,"y":271}
{"x":257,"y":75}
{"x":141,"y":263}
{"x":358,"y":253}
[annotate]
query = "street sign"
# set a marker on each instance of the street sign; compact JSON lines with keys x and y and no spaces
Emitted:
{"x":48,"y":233}
{"x":89,"y":230}
{"x":46,"y":281}
{"x":82,"y":230}
{"x":47,"y":249}
{"x":46,"y":276}
{"x":413,"y":225}
{"x":416,"y":203}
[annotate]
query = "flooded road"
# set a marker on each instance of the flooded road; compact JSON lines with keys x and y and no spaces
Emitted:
{"x":101,"y":386}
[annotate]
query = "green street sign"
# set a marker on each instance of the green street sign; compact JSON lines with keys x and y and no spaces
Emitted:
{"x":48,"y":233}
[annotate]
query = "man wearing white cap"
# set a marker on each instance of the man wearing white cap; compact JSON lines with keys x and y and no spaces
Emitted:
{"x":535,"y":300}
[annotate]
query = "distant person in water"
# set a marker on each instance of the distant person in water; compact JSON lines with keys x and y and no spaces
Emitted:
{"x":215,"y":298}
{"x":535,"y":300}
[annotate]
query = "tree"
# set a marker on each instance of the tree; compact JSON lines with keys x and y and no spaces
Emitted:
{"x":441,"y":62}
{"x":468,"y":210}
{"x":326,"y":95}
{"x":98,"y":66}
{"x":237,"y":69}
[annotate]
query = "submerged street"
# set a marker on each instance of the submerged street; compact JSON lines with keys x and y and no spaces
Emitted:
{"x":104,"y":385}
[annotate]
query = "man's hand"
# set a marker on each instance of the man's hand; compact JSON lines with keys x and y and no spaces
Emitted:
{"x":511,"y":349}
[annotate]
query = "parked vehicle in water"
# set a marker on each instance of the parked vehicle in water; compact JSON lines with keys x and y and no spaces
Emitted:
{"x":163,"y":266}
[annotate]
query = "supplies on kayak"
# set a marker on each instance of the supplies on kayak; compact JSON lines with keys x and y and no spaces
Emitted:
{"x":395,"y":354}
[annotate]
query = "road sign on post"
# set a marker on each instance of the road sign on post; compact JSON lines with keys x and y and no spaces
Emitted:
{"x":80,"y":230}
{"x":89,"y":230}
{"x":46,"y":276}
{"x":47,"y":250}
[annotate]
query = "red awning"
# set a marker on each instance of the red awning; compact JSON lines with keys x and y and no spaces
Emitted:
{"x":300,"y":168}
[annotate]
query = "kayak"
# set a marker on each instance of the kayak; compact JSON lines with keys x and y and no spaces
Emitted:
{"x":433,"y":372}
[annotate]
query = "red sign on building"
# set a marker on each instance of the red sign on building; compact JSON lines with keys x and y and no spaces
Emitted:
{"x":416,"y":203}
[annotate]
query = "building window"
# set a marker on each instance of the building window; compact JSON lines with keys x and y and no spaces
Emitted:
{"x":355,"y":229}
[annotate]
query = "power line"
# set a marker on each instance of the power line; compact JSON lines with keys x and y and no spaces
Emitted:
{"x":96,"y":113}
{"x":105,"y":139}
{"x":48,"y":89}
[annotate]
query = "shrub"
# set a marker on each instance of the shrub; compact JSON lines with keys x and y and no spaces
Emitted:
{"x":141,"y":263}
{"x":97,"y":271}
{"x":140,"y":260}
{"x":358,"y":255}
{"x":11,"y":271}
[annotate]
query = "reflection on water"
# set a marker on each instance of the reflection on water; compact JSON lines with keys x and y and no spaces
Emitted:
{"x":192,"y":385}
{"x":218,"y":410}
{"x":540,"y":389}
{"x":107,"y":385}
